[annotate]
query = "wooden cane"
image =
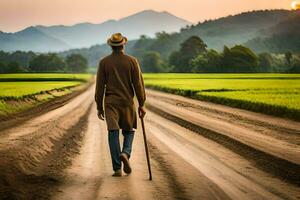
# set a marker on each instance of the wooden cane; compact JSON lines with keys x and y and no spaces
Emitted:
{"x":146,"y":148}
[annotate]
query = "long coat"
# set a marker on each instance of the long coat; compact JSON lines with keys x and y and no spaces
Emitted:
{"x":119,"y":79}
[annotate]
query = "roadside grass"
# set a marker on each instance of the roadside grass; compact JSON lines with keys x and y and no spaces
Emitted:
{"x":220,"y":76}
{"x":19,"y":92}
{"x":44,"y":77}
{"x":275,"y":94}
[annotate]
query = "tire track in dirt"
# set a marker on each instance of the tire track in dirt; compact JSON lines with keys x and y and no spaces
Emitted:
{"x":230,"y":172}
{"x":182,"y":178}
{"x":284,"y":169}
{"x":89,"y":177}
{"x":280,"y":128}
{"x":34,"y":153}
{"x":83,"y":177}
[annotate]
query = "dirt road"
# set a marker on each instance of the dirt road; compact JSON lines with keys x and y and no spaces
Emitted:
{"x":64,"y":154}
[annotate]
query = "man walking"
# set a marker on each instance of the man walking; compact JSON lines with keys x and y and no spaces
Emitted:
{"x":119,"y":78}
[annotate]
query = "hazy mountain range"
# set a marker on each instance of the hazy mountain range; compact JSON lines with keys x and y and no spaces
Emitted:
{"x":59,"y":38}
{"x":283,"y":37}
{"x":275,"y":31}
{"x":269,"y":30}
{"x":238,"y":29}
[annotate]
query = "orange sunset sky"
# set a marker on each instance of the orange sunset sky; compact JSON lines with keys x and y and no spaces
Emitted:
{"x":18,"y":14}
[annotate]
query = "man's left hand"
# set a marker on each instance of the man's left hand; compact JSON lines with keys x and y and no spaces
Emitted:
{"x":142,"y":111}
{"x":101,"y":114}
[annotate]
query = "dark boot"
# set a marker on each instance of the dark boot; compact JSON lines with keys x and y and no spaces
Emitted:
{"x":125,"y":161}
{"x":117,"y":173}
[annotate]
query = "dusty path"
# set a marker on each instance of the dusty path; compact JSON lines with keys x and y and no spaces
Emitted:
{"x":185,"y":164}
{"x":274,"y":135}
{"x":33,"y":153}
{"x":272,"y":143}
{"x":90,"y":175}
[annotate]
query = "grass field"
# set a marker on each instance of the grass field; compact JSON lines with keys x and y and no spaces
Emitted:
{"x":277,"y":94}
{"x":44,"y":77}
{"x":19,"y":92}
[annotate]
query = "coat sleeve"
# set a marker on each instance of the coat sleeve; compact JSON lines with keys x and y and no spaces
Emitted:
{"x":100,"y":86}
{"x":138,"y":83}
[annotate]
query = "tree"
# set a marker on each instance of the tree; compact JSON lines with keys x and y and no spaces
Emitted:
{"x":239,"y":59}
{"x":207,"y":62}
{"x":165,"y":43}
{"x":2,"y":67}
{"x":279,"y":63}
{"x":265,"y":61}
{"x":189,"y":49}
{"x":14,"y":67}
{"x":174,"y":59}
{"x":193,"y":46}
{"x":152,"y":62}
{"x":76,"y":63}
{"x":141,"y":46}
{"x":200,"y":63}
{"x":288,"y":57}
{"x":21,"y":57}
{"x":47,"y":63}
{"x":295,"y":64}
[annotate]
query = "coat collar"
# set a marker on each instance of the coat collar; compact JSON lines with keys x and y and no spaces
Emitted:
{"x":118,"y":52}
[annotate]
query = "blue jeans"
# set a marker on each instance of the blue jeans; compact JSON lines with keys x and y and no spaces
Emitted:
{"x":114,"y":146}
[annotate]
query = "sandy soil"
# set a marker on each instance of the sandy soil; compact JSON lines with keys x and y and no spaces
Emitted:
{"x":64,"y":155}
{"x":271,"y":142}
{"x":90,"y":175}
{"x":270,"y":132}
{"x":33,"y":153}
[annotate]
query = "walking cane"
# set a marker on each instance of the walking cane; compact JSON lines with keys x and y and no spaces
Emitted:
{"x":146,"y":148}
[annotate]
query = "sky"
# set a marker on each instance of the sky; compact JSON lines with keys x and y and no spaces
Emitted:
{"x":16,"y":15}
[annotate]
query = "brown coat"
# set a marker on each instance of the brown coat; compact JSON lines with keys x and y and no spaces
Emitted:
{"x":118,"y":78}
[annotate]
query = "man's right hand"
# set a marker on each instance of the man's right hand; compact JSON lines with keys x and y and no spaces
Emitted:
{"x":101,"y":114}
{"x":142,"y":111}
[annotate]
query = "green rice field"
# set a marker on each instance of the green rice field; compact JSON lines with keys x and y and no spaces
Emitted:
{"x":18,"y":92}
{"x":277,"y":94}
{"x":10,"y":90}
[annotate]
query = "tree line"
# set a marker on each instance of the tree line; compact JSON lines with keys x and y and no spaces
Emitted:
{"x":20,"y":62}
{"x":194,"y":56}
{"x":191,"y":56}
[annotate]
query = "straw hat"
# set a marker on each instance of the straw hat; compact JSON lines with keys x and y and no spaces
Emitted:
{"x":117,"y":40}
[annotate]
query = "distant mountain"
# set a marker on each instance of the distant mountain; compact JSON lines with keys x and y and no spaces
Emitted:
{"x":231,"y":30}
{"x":147,"y":22}
{"x":237,"y":29}
{"x":283,"y":37}
{"x":30,"y":39}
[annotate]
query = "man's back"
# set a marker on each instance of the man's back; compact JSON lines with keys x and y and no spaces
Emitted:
{"x":118,"y":71}
{"x":121,"y":75}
